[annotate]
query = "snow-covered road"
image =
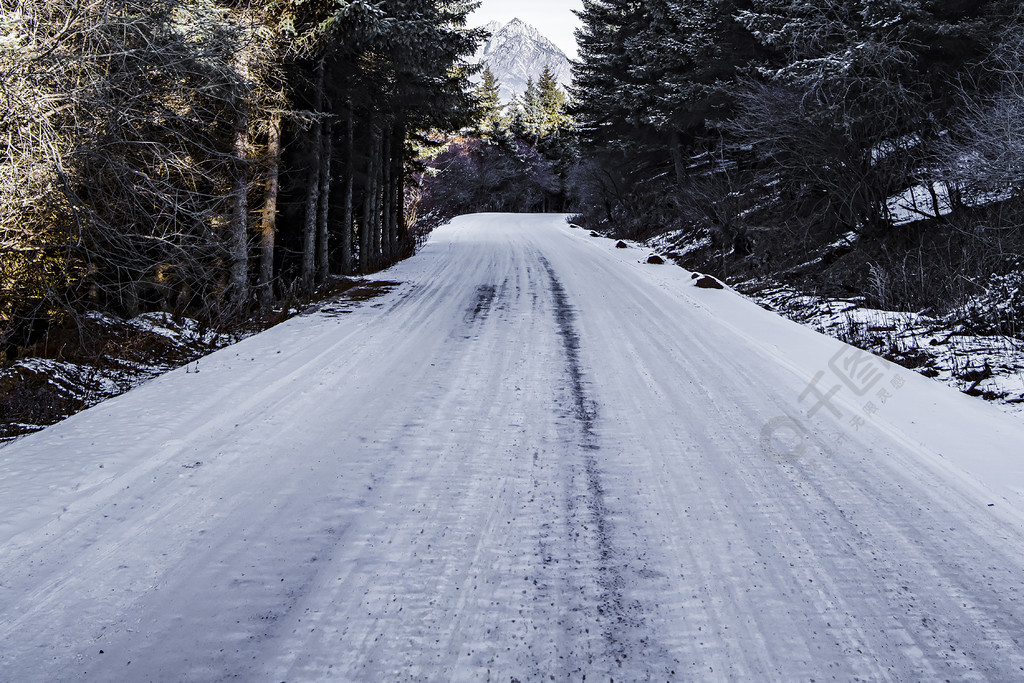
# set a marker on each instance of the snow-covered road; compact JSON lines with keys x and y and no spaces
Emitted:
{"x":535,"y":458}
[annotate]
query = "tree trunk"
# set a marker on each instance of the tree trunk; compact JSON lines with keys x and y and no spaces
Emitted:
{"x":376,"y":211}
{"x":677,"y":158}
{"x":269,"y":230}
{"x":396,"y":161}
{"x":402,"y":248}
{"x":346,"y":218}
{"x":955,"y":196}
{"x":385,"y":185}
{"x":367,"y":254}
{"x":309,"y":229}
{"x":323,"y":269}
{"x":238,"y":284}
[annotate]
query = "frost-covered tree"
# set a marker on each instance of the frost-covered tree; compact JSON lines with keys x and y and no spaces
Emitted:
{"x":147,"y":145}
{"x":984,"y":154}
{"x":552,"y":103}
{"x":683,"y":60}
{"x":529,"y":117}
{"x":857,"y":91}
{"x":602,"y":72}
{"x":490,"y":110}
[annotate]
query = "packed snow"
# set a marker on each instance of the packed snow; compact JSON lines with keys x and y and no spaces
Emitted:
{"x":537,"y":456}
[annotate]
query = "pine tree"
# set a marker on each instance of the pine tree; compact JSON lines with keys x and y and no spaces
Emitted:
{"x":142,"y":138}
{"x":532,"y":112}
{"x":602,"y":71}
{"x":859,"y":88}
{"x":491,"y":111}
{"x":551,"y":102}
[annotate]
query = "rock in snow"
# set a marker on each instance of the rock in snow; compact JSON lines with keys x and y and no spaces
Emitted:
{"x":708,"y":282}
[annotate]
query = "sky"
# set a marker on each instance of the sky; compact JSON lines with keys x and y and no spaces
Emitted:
{"x":553,"y":18}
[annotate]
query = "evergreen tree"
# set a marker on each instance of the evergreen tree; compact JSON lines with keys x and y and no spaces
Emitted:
{"x":490,"y":110}
{"x":145,"y":137}
{"x":860,"y":87}
{"x":603,"y":71}
{"x":532,"y":112}
{"x":684,"y":59}
{"x":551,"y":103}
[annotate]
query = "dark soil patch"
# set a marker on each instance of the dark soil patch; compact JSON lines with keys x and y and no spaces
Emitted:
{"x":368,"y":290}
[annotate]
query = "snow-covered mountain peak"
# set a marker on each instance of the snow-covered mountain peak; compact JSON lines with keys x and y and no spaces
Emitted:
{"x":518,"y":26}
{"x":516,"y":52}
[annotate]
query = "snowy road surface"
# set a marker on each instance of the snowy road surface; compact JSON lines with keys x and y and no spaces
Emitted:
{"x":535,"y":458}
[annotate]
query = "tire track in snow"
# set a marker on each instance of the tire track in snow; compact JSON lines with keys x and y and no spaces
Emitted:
{"x":846,"y":567}
{"x":482,"y":303}
{"x":613,"y":612}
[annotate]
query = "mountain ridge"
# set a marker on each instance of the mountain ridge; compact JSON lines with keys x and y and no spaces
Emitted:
{"x":516,"y":52}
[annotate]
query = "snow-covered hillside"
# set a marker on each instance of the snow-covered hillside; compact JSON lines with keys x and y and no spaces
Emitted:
{"x":537,"y":457}
{"x":517,"y":52}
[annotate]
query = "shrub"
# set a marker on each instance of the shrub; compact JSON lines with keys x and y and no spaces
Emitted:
{"x":999,"y":310}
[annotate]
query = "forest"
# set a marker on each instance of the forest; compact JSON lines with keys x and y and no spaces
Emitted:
{"x":858,"y":147}
{"x":868,"y":149}
{"x":211,"y":158}
{"x":516,"y":157}
{"x":218,"y":159}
